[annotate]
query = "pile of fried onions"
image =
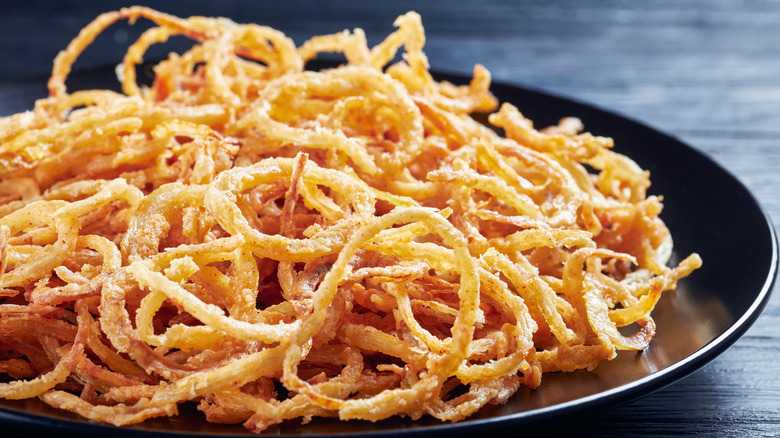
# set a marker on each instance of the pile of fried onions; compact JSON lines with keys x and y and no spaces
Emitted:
{"x":275,"y":243}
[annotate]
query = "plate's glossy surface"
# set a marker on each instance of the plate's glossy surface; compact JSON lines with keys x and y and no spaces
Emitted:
{"x":707,"y":210}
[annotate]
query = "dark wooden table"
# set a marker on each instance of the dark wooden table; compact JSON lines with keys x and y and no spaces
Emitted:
{"x":706,"y":71}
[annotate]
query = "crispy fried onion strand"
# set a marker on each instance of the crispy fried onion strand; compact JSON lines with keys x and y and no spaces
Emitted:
{"x":275,"y":243}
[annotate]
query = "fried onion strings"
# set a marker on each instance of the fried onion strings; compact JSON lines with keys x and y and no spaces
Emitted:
{"x":275,"y":243}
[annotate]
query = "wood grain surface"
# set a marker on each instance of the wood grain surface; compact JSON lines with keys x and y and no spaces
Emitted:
{"x":707,"y":72}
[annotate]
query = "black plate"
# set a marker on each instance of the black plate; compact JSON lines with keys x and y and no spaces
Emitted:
{"x":707,"y":210}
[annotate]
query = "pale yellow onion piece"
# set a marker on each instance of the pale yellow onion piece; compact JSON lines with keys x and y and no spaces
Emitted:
{"x":111,"y":191}
{"x":393,"y":401}
{"x":479,"y":394}
{"x":180,"y":270}
{"x":47,"y":258}
{"x":21,"y":389}
{"x":199,"y":337}
{"x":221,"y":196}
{"x":524,"y":240}
{"x":352,"y":44}
{"x":605,"y":329}
{"x":372,"y":339}
{"x":651,"y":292}
{"x":154,"y":212}
{"x":119,"y":415}
{"x":496,"y":187}
{"x":209,"y":313}
{"x":34,"y":214}
{"x":533,"y":290}
{"x":234,"y":374}
{"x":66,"y":58}
{"x":433,"y":343}
{"x":118,"y":108}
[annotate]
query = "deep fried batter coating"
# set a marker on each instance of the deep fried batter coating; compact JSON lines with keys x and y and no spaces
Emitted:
{"x":277,"y":243}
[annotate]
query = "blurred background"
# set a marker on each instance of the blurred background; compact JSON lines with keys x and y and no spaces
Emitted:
{"x":705,"y":71}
